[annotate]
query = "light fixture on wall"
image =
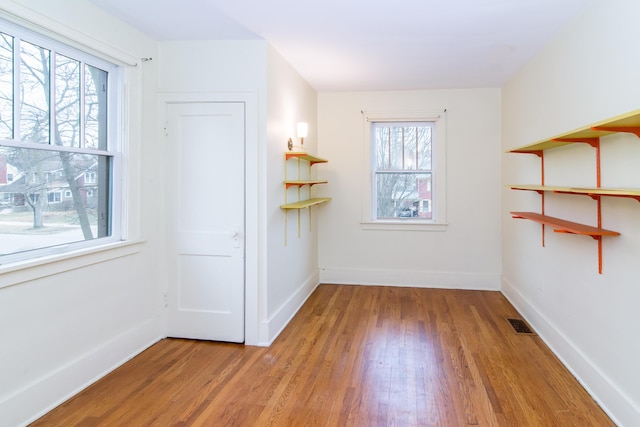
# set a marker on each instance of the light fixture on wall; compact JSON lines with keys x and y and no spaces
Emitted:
{"x":302,"y":131}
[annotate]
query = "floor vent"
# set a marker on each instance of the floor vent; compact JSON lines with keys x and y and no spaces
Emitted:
{"x":521,"y":327}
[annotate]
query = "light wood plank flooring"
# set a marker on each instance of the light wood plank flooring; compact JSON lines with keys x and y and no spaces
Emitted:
{"x":352,"y":356}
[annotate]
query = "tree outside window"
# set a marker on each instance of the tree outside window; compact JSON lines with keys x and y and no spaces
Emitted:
{"x":54,"y":114}
{"x":402,"y":170}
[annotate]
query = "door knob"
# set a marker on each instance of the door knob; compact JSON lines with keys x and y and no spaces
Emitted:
{"x":235,"y":235}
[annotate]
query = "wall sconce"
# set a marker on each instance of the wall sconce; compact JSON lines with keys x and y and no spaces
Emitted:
{"x":302,"y":130}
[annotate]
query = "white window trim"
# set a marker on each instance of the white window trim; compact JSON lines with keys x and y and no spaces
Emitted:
{"x":439,"y":222}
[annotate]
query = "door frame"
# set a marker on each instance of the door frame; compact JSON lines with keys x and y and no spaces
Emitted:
{"x":251,"y":198}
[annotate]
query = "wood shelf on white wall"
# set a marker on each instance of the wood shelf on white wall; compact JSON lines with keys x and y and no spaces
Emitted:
{"x":301,"y":203}
{"x":591,"y":134}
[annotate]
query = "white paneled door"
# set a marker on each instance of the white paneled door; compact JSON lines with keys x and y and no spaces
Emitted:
{"x":206,"y":195}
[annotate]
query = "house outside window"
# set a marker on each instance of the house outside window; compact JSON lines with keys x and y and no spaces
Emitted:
{"x":406,"y":171}
{"x":58,"y":107}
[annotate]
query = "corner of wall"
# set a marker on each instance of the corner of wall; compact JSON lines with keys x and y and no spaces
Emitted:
{"x":62,"y":384}
{"x":610,"y":398}
{"x":271,"y":328}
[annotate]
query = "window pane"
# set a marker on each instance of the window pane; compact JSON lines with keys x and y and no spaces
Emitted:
{"x":410,"y":145}
{"x":396,"y":148}
{"x":424,"y":147}
{"x":403,"y":195}
{"x":6,"y":86}
{"x":50,"y":202}
{"x":34,"y":91}
{"x":95,"y":108}
{"x":402,"y":146}
{"x":67,"y":101}
{"x":381,"y":135}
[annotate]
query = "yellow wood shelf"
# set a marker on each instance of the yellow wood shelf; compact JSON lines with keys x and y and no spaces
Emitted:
{"x":613,"y":192}
{"x":563,"y":226}
{"x":299,"y":182}
{"x":302,"y":183}
{"x":629,"y":122}
{"x":633,"y":193}
{"x":304,"y":156}
{"x":540,"y":188}
{"x":306,"y":203}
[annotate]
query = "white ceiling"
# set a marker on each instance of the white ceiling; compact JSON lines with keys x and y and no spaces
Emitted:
{"x":370,"y":44}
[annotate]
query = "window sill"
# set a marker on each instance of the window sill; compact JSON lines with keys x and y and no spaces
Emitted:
{"x":408,"y":225}
{"x":24,"y":271}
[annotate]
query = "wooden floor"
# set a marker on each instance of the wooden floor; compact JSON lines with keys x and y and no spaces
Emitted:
{"x":353,"y":356}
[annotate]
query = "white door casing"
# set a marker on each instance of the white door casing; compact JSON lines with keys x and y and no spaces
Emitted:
{"x":207,"y":198}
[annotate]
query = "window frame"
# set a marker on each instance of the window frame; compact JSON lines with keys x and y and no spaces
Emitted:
{"x":113,"y":150}
{"x":438,"y":169}
{"x":51,"y":197}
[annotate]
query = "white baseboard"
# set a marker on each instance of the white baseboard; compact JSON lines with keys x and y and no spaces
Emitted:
{"x":611,"y":399}
{"x":271,"y":328}
{"x":33,"y":401}
{"x":411,"y":278}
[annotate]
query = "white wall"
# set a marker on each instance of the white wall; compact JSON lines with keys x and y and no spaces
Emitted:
{"x":467,"y":254}
{"x":292,"y":268}
{"x":68,"y":321}
{"x":229,"y":71}
{"x":213,"y":66}
{"x":588,"y":74}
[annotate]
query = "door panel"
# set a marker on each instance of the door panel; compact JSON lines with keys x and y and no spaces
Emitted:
{"x":204,"y":243}
{"x":206,"y":298}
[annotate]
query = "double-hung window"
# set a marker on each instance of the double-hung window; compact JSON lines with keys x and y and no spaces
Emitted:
{"x":58,"y":135}
{"x":406,"y":170}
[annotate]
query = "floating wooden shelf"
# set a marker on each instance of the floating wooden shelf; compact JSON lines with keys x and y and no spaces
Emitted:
{"x":562,"y":226}
{"x":305,"y":182}
{"x":306,"y":203}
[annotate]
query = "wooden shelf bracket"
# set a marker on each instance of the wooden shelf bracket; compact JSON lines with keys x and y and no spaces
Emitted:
{"x":623,"y":129}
